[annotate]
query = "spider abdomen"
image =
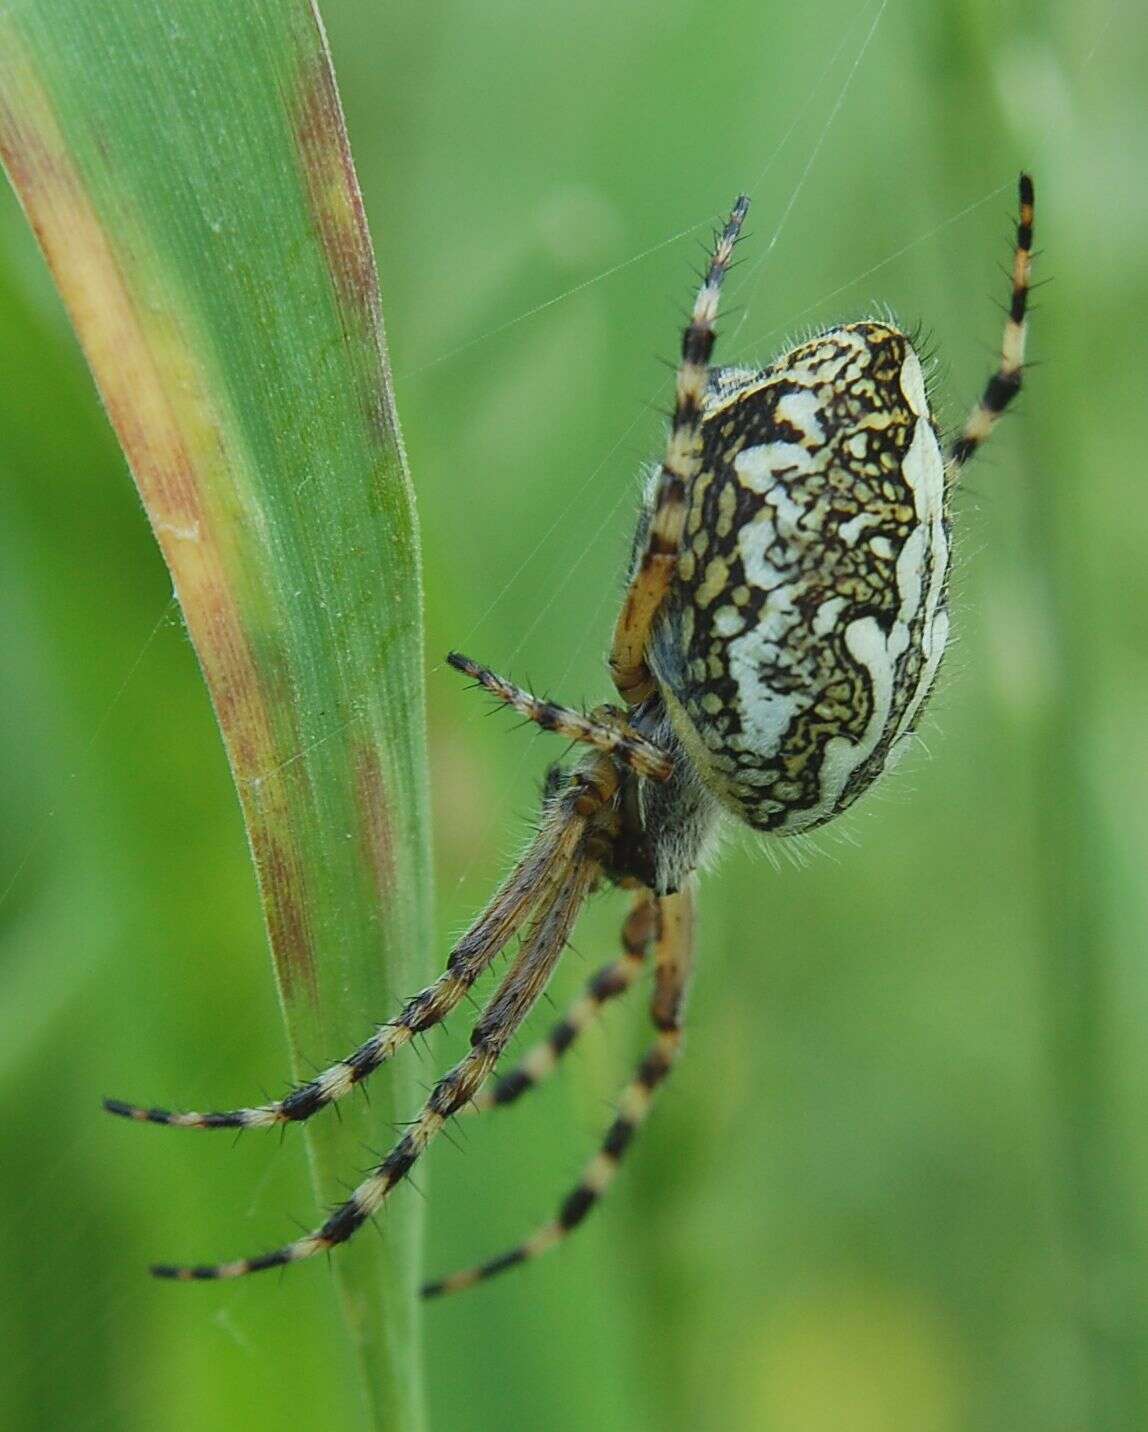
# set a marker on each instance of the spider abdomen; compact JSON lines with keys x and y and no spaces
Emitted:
{"x":807,"y":617}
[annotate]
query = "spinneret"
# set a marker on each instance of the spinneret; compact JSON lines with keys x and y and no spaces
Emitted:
{"x":782,"y":628}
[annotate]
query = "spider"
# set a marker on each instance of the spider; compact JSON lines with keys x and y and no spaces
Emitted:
{"x":781,"y":631}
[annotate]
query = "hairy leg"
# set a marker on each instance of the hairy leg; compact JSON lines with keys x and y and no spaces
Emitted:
{"x":563,"y":827}
{"x":654,"y":569}
{"x":604,"y":728}
{"x":672,"y":970}
{"x":556,"y":910}
{"x":639,"y":929}
{"x":1005,"y":383}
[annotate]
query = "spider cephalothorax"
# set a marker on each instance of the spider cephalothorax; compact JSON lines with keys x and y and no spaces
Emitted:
{"x":781,"y":631}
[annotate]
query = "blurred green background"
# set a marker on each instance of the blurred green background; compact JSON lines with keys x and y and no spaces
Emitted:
{"x":899,"y":1182}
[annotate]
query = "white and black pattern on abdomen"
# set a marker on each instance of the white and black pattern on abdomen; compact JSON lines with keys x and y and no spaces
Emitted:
{"x":806,"y":627}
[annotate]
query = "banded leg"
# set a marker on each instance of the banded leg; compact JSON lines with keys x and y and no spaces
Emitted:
{"x":563,"y":826}
{"x":638,"y":931}
{"x":673,"y":967}
{"x":605,"y":728}
{"x":1005,"y":383}
{"x":557,"y":910}
{"x":654,"y":569}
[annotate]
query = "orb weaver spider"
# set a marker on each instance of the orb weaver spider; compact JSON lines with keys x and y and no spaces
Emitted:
{"x":781,"y":631}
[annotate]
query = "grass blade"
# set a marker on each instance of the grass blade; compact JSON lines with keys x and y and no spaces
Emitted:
{"x":188,"y":178}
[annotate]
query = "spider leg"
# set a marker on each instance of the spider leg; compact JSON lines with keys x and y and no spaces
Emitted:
{"x":654,"y":569}
{"x":563,"y":827}
{"x":566,"y":890}
{"x":638,"y":931}
{"x":605,"y":728}
{"x":672,"y":970}
{"x":1005,"y":383}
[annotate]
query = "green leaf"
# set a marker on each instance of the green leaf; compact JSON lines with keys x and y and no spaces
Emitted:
{"x":187,"y":174}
